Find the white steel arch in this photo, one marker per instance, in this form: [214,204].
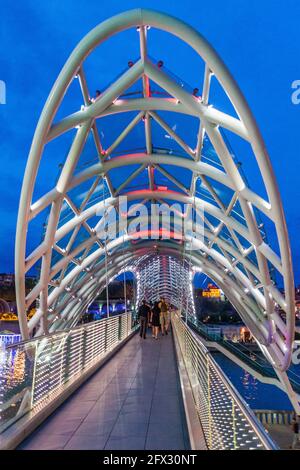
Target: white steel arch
[241,264]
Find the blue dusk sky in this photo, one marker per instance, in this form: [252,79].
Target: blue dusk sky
[257,39]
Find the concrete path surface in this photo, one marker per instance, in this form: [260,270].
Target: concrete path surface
[132,402]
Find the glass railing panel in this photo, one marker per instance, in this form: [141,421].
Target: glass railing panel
[16,379]
[225,418]
[33,373]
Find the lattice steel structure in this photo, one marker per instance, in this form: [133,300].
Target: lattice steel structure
[165,276]
[75,264]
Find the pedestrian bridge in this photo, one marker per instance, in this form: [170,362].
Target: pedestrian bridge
[101,386]
[149,183]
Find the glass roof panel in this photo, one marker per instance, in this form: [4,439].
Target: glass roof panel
[223,193]
[182,175]
[111,126]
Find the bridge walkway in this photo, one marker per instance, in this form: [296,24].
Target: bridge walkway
[133,402]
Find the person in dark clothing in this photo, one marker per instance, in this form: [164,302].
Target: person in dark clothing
[155,320]
[295,428]
[144,315]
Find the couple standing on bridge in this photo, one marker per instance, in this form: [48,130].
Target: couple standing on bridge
[156,315]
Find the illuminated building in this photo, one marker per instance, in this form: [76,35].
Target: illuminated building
[212,292]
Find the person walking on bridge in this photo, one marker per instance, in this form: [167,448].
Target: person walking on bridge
[164,316]
[295,429]
[155,320]
[144,316]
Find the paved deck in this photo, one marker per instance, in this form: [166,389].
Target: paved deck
[133,402]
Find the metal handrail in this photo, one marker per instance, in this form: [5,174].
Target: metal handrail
[36,372]
[226,419]
[59,333]
[261,365]
[248,413]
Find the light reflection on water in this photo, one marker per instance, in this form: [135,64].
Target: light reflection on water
[16,373]
[258,395]
[250,386]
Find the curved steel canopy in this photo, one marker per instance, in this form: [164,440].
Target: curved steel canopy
[234,251]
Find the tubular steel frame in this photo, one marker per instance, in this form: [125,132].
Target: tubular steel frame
[251,289]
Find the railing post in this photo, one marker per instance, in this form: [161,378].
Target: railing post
[105,335]
[128,323]
[209,405]
[50,369]
[233,425]
[83,347]
[120,328]
[67,363]
[34,373]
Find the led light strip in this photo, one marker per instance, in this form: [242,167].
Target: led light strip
[226,420]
